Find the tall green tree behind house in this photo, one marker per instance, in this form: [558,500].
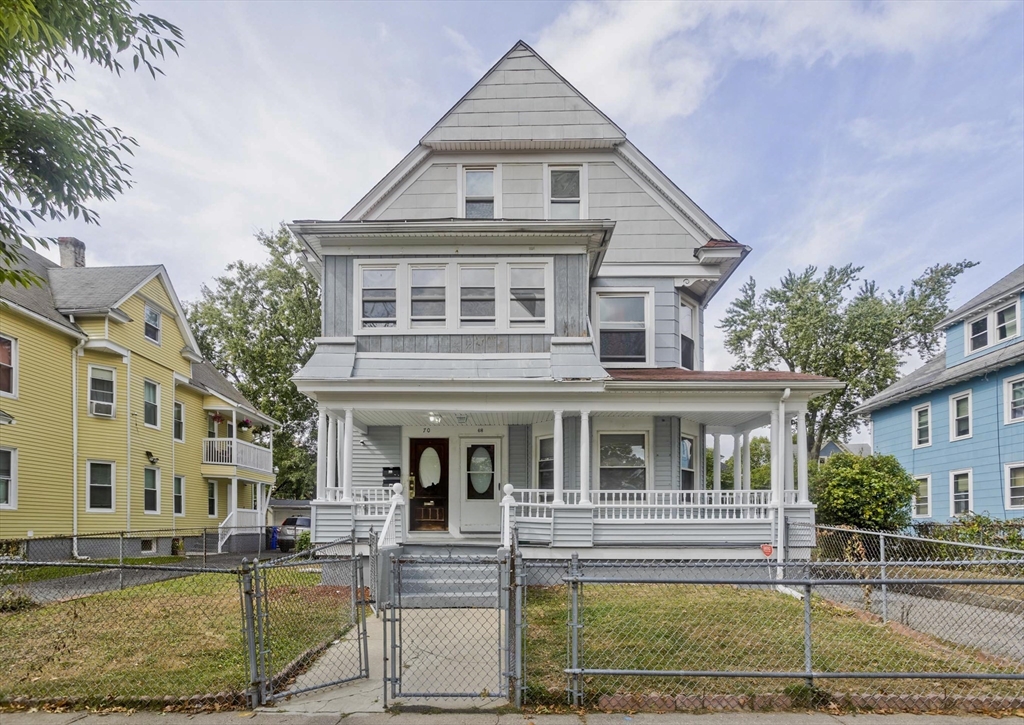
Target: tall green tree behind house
[54,160]
[814,323]
[257,325]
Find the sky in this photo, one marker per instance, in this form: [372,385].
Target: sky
[890,135]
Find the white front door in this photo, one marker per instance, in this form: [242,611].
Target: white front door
[481,468]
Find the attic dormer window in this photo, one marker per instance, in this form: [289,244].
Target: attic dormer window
[479,193]
[993,327]
[152,323]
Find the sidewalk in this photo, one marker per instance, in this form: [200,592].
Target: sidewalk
[272,718]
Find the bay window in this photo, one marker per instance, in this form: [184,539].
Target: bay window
[624,328]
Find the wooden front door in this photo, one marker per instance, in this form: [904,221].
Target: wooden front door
[428,492]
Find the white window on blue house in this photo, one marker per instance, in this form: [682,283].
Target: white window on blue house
[993,327]
[922,425]
[1006,323]
[1013,400]
[1015,486]
[978,332]
[960,416]
[921,504]
[961,494]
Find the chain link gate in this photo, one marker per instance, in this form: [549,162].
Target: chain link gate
[450,628]
[305,625]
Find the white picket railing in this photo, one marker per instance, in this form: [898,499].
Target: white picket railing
[640,505]
[389,537]
[235,452]
[239,521]
[371,502]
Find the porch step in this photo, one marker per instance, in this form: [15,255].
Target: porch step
[458,584]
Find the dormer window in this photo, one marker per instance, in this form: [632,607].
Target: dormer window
[152,323]
[565,193]
[993,327]
[1006,323]
[479,193]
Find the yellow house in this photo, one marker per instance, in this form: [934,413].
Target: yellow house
[111,421]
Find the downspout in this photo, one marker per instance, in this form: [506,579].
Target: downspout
[128,462]
[74,445]
[780,519]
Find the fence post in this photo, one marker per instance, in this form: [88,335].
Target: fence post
[808,666]
[520,582]
[248,608]
[575,682]
[204,546]
[365,669]
[881,557]
[120,560]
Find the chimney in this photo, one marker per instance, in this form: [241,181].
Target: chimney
[72,252]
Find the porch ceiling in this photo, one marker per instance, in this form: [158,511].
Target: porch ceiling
[738,420]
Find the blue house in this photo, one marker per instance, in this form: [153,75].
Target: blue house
[957,422]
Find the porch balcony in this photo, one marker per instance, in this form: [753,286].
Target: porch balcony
[237,452]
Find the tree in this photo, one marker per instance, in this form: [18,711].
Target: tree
[257,326]
[53,159]
[866,492]
[811,324]
[709,469]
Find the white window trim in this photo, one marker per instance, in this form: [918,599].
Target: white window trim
[584,169]
[502,296]
[113,486]
[12,489]
[1006,487]
[88,392]
[913,426]
[991,315]
[182,495]
[913,499]
[970,491]
[14,367]
[173,421]
[157,471]
[952,415]
[160,328]
[461,187]
[159,412]
[612,426]
[540,431]
[1007,390]
[216,499]
[693,455]
[595,315]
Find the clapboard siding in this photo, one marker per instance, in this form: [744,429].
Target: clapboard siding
[372,450]
[572,526]
[644,230]
[666,453]
[519,444]
[331,523]
[337,296]
[461,344]
[522,188]
[689,533]
[666,314]
[432,196]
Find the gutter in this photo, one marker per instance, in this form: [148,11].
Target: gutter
[75,352]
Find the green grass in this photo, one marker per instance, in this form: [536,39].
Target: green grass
[672,627]
[24,574]
[177,638]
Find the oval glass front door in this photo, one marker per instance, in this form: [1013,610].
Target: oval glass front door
[481,468]
[430,468]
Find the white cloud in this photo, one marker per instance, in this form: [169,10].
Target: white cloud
[917,139]
[647,62]
[468,57]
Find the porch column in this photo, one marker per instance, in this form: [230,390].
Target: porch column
[332,452]
[346,470]
[233,497]
[321,456]
[584,456]
[559,461]
[737,466]
[801,457]
[787,429]
[746,461]
[776,434]
[716,462]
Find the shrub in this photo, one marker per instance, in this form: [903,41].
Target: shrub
[872,492]
[304,542]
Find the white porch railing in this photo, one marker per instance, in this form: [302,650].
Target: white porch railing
[389,536]
[371,502]
[239,521]
[235,452]
[655,505]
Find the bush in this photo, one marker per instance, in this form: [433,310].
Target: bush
[304,542]
[871,492]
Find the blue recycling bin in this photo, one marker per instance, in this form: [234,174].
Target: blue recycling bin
[273,537]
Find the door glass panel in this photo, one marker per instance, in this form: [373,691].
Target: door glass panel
[480,470]
[430,468]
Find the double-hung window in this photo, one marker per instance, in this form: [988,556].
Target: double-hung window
[151,403]
[428,296]
[1013,400]
[211,499]
[100,485]
[179,421]
[623,328]
[151,490]
[527,290]
[978,334]
[8,478]
[1015,486]
[960,494]
[922,416]
[687,477]
[8,366]
[622,461]
[565,193]
[380,298]
[546,463]
[179,495]
[960,416]
[101,392]
[152,323]
[1006,323]
[921,504]
[991,328]
[477,300]
[479,193]
[686,343]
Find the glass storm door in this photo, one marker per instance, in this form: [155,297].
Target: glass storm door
[428,490]
[480,464]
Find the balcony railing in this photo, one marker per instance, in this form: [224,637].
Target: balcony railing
[234,452]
